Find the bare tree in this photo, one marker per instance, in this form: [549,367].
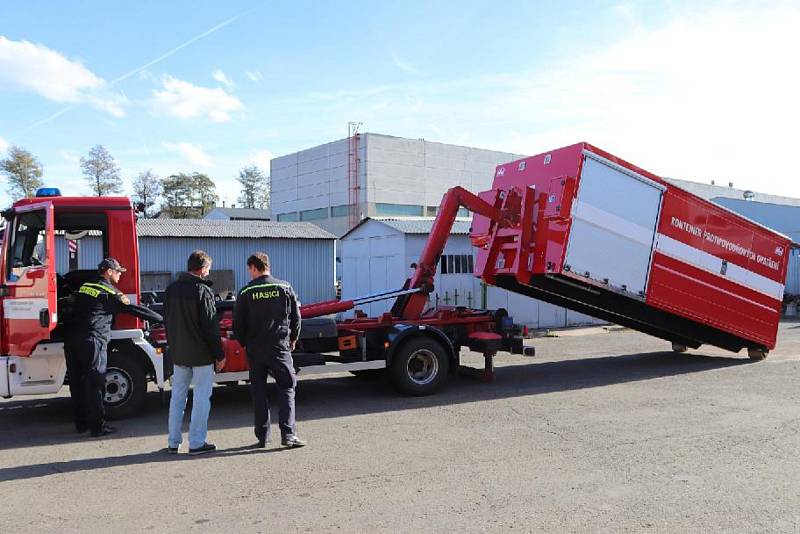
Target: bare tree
[101,171]
[147,189]
[255,188]
[24,173]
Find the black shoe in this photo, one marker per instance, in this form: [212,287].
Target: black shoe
[105,430]
[292,442]
[262,443]
[172,450]
[204,448]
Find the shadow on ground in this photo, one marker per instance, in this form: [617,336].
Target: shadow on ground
[35,423]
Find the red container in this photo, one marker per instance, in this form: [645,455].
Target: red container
[601,236]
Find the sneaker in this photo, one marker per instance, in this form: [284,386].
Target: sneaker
[172,450]
[204,448]
[262,443]
[292,442]
[105,430]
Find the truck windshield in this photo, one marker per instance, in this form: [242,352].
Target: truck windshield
[28,246]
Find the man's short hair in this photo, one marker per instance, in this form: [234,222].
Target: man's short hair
[198,259]
[260,261]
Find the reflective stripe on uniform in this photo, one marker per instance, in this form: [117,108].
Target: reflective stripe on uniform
[248,288]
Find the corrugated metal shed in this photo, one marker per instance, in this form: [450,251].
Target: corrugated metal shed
[300,253]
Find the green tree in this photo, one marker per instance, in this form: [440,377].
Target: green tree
[255,188]
[101,171]
[188,196]
[147,189]
[24,173]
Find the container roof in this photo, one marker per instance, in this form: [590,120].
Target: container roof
[228,229]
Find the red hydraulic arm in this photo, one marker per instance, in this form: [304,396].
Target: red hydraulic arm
[421,283]
[422,278]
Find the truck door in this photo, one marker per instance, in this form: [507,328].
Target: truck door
[29,279]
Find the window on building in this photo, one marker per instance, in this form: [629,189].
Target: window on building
[288,217]
[463,212]
[403,210]
[340,211]
[456,264]
[313,215]
[431,211]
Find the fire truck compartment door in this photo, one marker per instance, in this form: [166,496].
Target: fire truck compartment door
[614,225]
[29,311]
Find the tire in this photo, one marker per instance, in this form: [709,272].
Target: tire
[369,375]
[126,385]
[419,366]
[680,349]
[757,354]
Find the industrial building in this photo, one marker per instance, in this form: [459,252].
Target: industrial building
[337,184]
[376,256]
[301,253]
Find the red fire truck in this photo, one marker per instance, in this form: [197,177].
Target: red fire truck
[575,226]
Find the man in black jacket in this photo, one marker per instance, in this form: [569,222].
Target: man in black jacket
[267,323]
[190,318]
[86,343]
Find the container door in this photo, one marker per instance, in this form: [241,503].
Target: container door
[614,225]
[29,276]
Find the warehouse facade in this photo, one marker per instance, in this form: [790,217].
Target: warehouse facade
[395,177]
[301,253]
[376,256]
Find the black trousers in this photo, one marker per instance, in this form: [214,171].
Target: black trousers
[281,367]
[86,365]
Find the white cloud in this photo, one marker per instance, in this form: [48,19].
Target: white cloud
[703,96]
[33,67]
[255,75]
[191,152]
[222,78]
[3,145]
[185,100]
[261,159]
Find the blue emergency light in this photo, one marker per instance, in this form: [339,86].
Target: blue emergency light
[48,192]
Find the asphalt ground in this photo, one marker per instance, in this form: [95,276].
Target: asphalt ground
[600,432]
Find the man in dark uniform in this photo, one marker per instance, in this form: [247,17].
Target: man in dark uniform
[267,323]
[86,343]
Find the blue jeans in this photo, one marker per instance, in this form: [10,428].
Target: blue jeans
[202,378]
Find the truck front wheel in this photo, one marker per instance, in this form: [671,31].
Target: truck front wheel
[126,385]
[419,366]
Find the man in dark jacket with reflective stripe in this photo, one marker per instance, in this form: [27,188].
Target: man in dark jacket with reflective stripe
[190,317]
[267,323]
[86,343]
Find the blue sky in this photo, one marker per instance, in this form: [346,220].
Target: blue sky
[686,91]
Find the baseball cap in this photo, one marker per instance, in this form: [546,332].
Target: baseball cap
[111,263]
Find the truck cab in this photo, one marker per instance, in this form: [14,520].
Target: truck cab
[39,271]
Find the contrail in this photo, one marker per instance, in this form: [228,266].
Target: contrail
[181,46]
[137,70]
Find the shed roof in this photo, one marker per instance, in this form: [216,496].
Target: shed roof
[416,225]
[236,229]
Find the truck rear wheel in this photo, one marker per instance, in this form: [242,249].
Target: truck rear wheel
[419,366]
[126,385]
